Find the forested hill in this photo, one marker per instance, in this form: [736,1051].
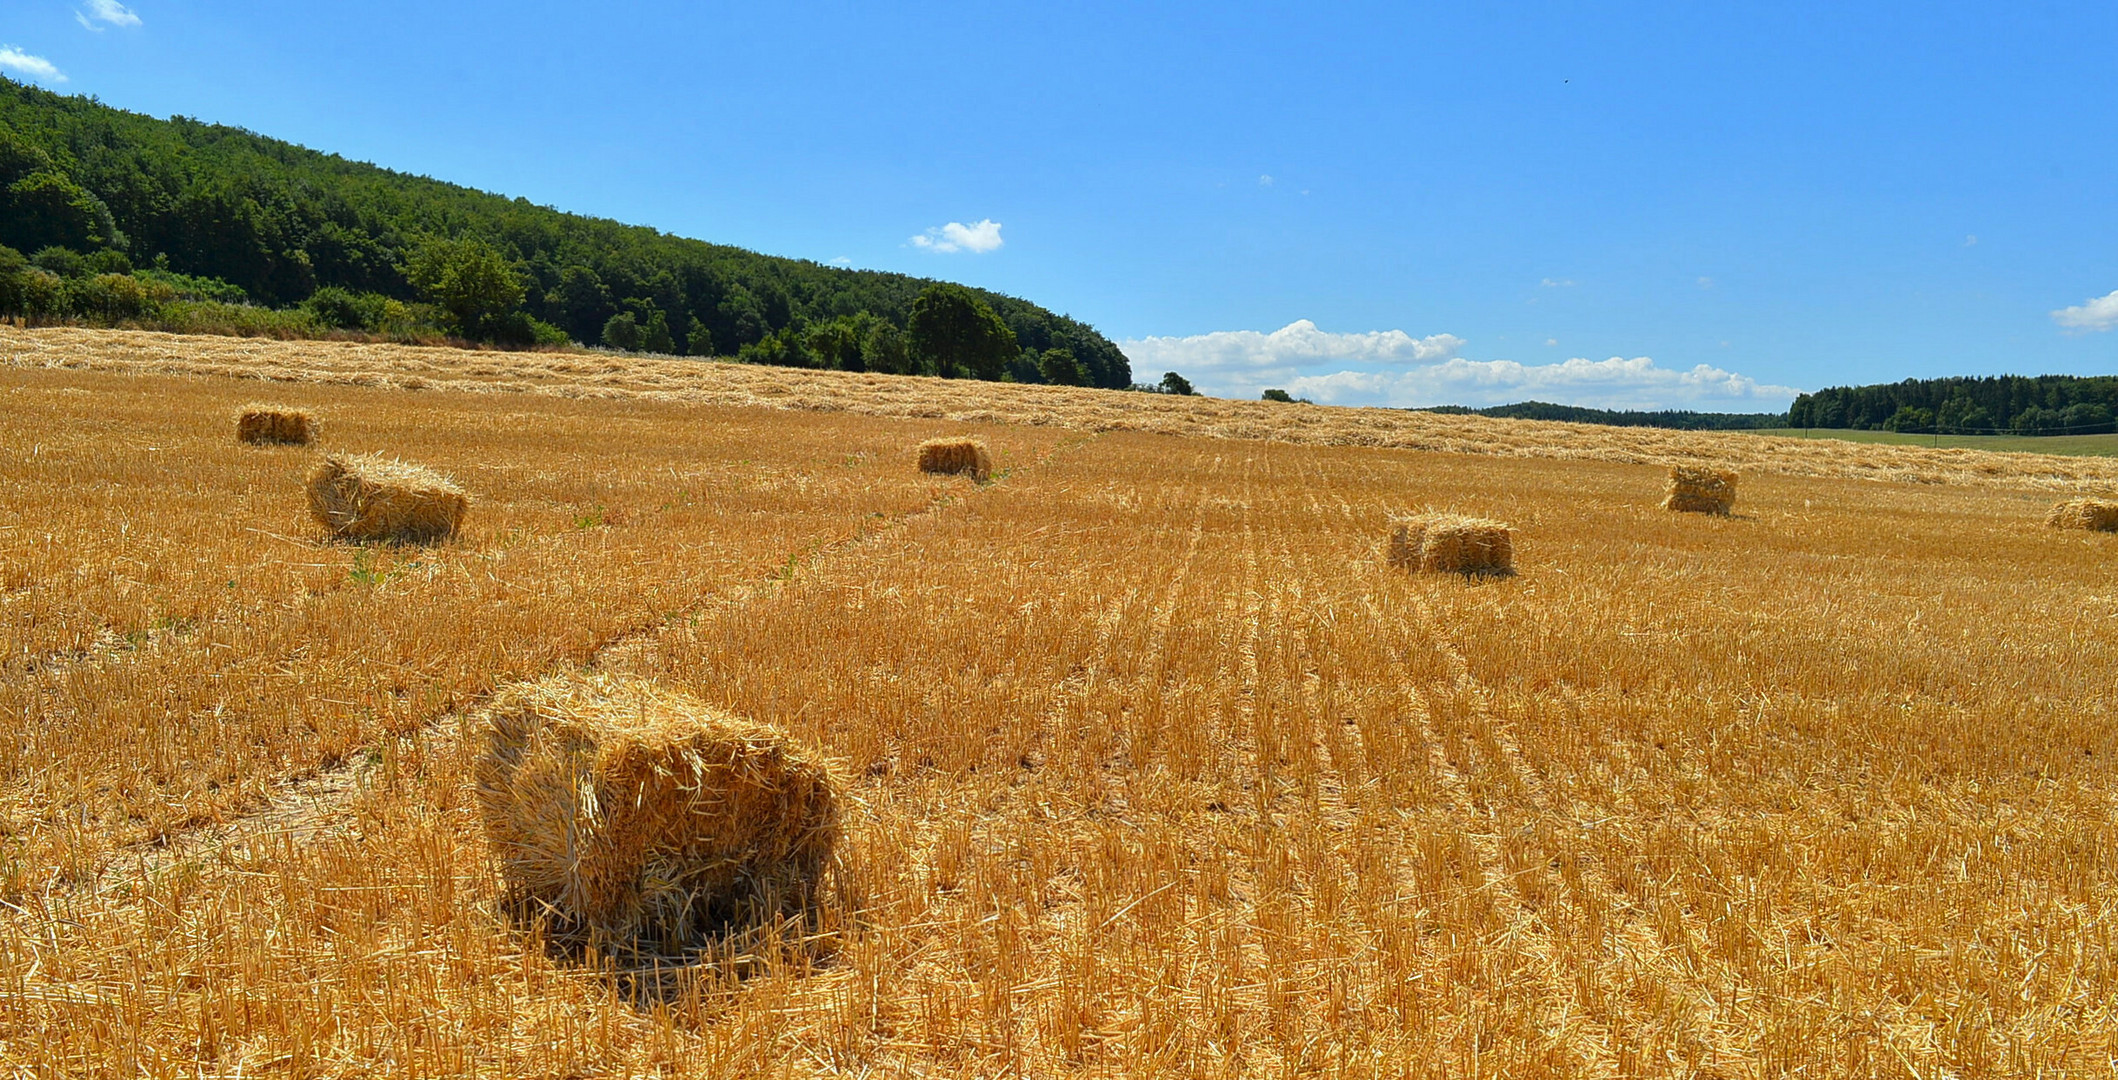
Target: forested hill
[2003,404]
[1662,418]
[199,220]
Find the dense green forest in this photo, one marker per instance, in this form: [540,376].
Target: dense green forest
[1664,418]
[1991,405]
[116,218]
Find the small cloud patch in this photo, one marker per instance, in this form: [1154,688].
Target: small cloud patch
[947,239]
[108,12]
[35,67]
[2090,316]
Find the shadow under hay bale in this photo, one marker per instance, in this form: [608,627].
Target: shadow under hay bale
[1452,543]
[637,820]
[276,425]
[1695,489]
[371,497]
[2095,515]
[960,456]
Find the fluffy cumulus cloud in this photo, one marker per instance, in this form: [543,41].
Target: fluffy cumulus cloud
[1391,367]
[2098,314]
[34,67]
[977,238]
[1616,383]
[108,12]
[1283,352]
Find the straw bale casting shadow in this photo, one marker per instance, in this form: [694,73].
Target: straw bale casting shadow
[1453,544]
[636,824]
[370,497]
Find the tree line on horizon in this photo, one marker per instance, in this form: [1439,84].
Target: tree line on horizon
[1680,419]
[116,218]
[1968,405]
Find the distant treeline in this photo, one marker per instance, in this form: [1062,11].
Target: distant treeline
[2002,404]
[1662,418]
[117,218]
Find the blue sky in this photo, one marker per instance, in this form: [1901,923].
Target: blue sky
[1652,205]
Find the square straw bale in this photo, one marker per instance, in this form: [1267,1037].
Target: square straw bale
[371,497]
[1697,489]
[2095,515]
[276,424]
[1452,543]
[631,816]
[962,456]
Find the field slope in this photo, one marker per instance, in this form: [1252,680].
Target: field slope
[1157,768]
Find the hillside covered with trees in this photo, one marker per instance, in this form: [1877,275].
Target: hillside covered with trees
[117,218]
[2001,404]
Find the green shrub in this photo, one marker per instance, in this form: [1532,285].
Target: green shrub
[65,262]
[187,287]
[236,320]
[343,309]
[116,297]
[622,332]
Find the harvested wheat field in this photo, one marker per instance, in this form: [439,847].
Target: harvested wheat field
[1153,765]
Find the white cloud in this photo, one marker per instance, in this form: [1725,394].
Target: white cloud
[1265,180]
[105,11]
[22,63]
[1391,367]
[2098,314]
[1616,383]
[977,239]
[1557,283]
[1706,283]
[1971,241]
[1551,341]
[841,261]
[1280,353]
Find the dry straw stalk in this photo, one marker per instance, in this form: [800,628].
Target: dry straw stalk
[1699,490]
[964,456]
[635,817]
[267,424]
[2096,515]
[371,497]
[1452,543]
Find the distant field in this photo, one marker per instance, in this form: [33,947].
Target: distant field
[695,382]
[2084,445]
[1156,769]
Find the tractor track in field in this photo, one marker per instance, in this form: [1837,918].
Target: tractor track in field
[307,806]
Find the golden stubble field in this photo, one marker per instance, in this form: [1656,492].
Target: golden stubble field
[1156,769]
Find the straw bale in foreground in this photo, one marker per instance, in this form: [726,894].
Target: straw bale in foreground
[968,456]
[261,423]
[1699,490]
[2096,515]
[1452,543]
[371,497]
[636,817]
